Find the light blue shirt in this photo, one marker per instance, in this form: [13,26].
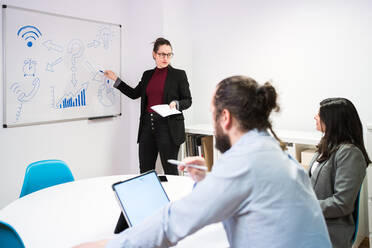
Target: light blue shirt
[263,197]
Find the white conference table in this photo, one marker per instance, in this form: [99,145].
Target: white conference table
[86,210]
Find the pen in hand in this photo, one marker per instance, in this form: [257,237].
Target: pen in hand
[176,162]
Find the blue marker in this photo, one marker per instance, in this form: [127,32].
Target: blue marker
[101,71]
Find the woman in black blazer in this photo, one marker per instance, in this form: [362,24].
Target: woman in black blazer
[161,85]
[338,168]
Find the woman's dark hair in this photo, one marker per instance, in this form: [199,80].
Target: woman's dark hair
[248,102]
[342,126]
[159,42]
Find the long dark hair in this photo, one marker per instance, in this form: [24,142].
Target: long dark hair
[342,126]
[248,102]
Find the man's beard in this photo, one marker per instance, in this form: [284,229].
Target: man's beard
[222,140]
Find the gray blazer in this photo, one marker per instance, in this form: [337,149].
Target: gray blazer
[336,183]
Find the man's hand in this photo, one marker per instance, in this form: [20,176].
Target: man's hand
[196,174]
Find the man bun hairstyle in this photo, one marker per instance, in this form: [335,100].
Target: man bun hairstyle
[266,97]
[248,102]
[159,42]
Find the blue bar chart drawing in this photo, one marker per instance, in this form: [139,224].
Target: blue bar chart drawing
[71,100]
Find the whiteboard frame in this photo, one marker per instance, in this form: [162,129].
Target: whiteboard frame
[5,125]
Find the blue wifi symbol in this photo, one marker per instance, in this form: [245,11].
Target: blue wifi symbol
[29,33]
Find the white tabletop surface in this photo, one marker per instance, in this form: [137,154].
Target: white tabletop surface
[86,210]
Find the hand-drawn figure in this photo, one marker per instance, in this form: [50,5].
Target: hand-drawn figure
[94,43]
[29,68]
[76,49]
[72,99]
[29,33]
[105,35]
[50,45]
[104,38]
[106,94]
[95,73]
[50,65]
[28,88]
[20,93]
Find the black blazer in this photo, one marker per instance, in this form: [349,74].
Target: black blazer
[176,88]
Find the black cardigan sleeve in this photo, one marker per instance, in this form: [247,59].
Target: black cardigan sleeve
[130,92]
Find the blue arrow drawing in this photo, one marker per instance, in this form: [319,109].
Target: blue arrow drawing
[94,43]
[52,46]
[96,75]
[50,65]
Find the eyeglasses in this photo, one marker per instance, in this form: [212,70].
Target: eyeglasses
[163,55]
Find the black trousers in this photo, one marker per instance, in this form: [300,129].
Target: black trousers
[155,138]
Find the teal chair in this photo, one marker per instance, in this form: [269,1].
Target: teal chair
[356,216]
[45,173]
[9,237]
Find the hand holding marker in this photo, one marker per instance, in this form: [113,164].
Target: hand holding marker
[176,162]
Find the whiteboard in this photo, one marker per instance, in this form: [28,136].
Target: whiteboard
[53,67]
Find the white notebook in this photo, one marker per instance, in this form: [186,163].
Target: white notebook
[164,110]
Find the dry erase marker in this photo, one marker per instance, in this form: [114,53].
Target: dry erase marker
[176,162]
[101,71]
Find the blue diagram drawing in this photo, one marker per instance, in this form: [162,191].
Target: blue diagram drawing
[51,46]
[24,95]
[76,49]
[94,43]
[72,99]
[95,73]
[29,68]
[106,94]
[27,89]
[29,33]
[50,65]
[104,37]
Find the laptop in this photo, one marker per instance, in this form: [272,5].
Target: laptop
[139,197]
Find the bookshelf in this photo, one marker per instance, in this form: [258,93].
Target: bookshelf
[201,130]
[297,141]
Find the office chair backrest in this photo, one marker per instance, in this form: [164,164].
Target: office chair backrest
[9,237]
[356,216]
[45,173]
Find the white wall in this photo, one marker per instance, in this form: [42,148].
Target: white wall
[177,28]
[90,148]
[310,49]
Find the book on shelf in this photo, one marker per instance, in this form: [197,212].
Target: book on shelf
[200,145]
[207,148]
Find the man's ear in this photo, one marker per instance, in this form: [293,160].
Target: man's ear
[153,54]
[226,119]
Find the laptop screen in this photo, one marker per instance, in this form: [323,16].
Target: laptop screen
[140,197]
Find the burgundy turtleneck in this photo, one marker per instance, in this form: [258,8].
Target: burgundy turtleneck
[155,88]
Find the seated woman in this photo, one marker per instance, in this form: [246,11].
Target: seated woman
[339,166]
